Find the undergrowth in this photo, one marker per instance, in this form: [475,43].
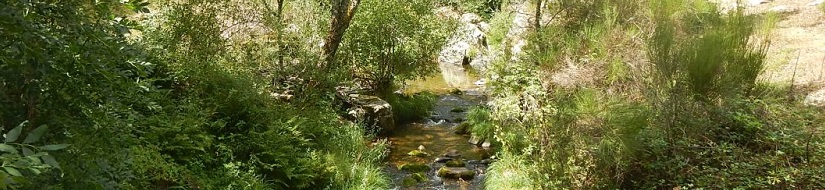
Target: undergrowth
[691,113]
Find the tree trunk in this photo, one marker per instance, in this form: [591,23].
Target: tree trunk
[342,13]
[537,23]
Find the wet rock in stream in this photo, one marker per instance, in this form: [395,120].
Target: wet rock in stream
[442,159]
[456,173]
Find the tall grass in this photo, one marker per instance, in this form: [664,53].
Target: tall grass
[480,122]
[702,119]
[512,172]
[408,108]
[715,55]
[353,165]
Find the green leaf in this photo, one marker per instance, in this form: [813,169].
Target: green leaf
[35,134]
[49,159]
[54,146]
[27,151]
[13,171]
[34,170]
[14,133]
[7,148]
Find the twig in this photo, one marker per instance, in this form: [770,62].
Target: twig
[793,77]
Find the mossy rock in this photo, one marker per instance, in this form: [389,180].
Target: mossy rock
[456,173]
[415,167]
[455,163]
[409,182]
[463,128]
[418,153]
[419,177]
[467,175]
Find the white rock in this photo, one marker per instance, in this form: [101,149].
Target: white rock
[816,98]
[470,18]
[816,2]
[484,26]
[782,9]
[481,82]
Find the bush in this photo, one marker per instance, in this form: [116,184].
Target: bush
[408,108]
[480,123]
[170,109]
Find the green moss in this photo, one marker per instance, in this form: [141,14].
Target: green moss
[420,177]
[409,182]
[415,167]
[445,172]
[455,163]
[467,175]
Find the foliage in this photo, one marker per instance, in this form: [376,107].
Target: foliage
[485,8]
[21,159]
[695,117]
[714,54]
[393,41]
[511,172]
[480,122]
[500,25]
[408,108]
[171,103]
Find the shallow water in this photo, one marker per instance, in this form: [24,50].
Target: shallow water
[436,136]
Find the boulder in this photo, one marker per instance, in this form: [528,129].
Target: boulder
[467,46]
[375,112]
[816,98]
[486,144]
[414,167]
[418,153]
[475,140]
[456,173]
[452,154]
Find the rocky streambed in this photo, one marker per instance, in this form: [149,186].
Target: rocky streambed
[436,153]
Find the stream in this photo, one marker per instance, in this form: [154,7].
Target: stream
[435,136]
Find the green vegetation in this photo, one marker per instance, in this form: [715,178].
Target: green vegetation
[408,108]
[478,118]
[690,114]
[485,8]
[220,94]
[454,163]
[393,41]
[167,95]
[822,7]
[415,167]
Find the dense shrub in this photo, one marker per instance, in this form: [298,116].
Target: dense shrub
[409,108]
[170,108]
